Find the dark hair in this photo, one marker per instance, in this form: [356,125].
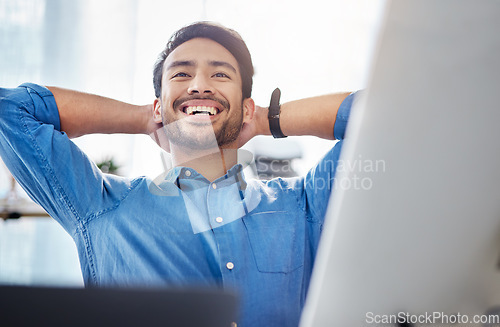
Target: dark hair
[226,37]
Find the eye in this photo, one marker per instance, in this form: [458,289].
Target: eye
[180,74]
[221,75]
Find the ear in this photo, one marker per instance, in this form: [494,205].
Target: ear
[157,111]
[248,110]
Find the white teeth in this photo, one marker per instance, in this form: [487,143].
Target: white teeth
[201,110]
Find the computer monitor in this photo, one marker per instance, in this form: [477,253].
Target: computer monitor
[22,306]
[413,226]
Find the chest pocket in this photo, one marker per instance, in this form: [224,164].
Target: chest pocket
[277,240]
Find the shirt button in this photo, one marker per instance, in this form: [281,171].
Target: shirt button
[188,173]
[219,219]
[230,265]
[214,186]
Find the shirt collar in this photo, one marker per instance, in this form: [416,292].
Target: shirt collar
[184,178]
[170,182]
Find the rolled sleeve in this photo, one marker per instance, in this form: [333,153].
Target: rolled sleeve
[343,116]
[44,105]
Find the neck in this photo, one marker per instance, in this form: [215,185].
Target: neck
[211,163]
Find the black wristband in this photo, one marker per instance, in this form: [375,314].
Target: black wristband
[274,115]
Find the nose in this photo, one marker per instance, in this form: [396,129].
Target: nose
[200,84]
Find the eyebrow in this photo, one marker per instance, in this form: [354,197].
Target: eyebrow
[225,64]
[192,63]
[181,63]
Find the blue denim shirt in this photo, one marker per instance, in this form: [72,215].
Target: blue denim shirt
[256,237]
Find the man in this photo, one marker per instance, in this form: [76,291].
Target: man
[202,223]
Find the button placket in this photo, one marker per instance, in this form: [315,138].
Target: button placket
[213,209]
[222,198]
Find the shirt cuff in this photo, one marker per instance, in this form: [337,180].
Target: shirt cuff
[44,105]
[343,116]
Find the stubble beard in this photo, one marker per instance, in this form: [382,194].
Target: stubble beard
[187,135]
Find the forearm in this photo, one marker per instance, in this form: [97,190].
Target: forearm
[83,113]
[311,116]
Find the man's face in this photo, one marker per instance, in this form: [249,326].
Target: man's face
[201,98]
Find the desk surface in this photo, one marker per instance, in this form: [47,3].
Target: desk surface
[13,208]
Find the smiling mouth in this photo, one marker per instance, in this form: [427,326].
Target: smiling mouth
[200,110]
